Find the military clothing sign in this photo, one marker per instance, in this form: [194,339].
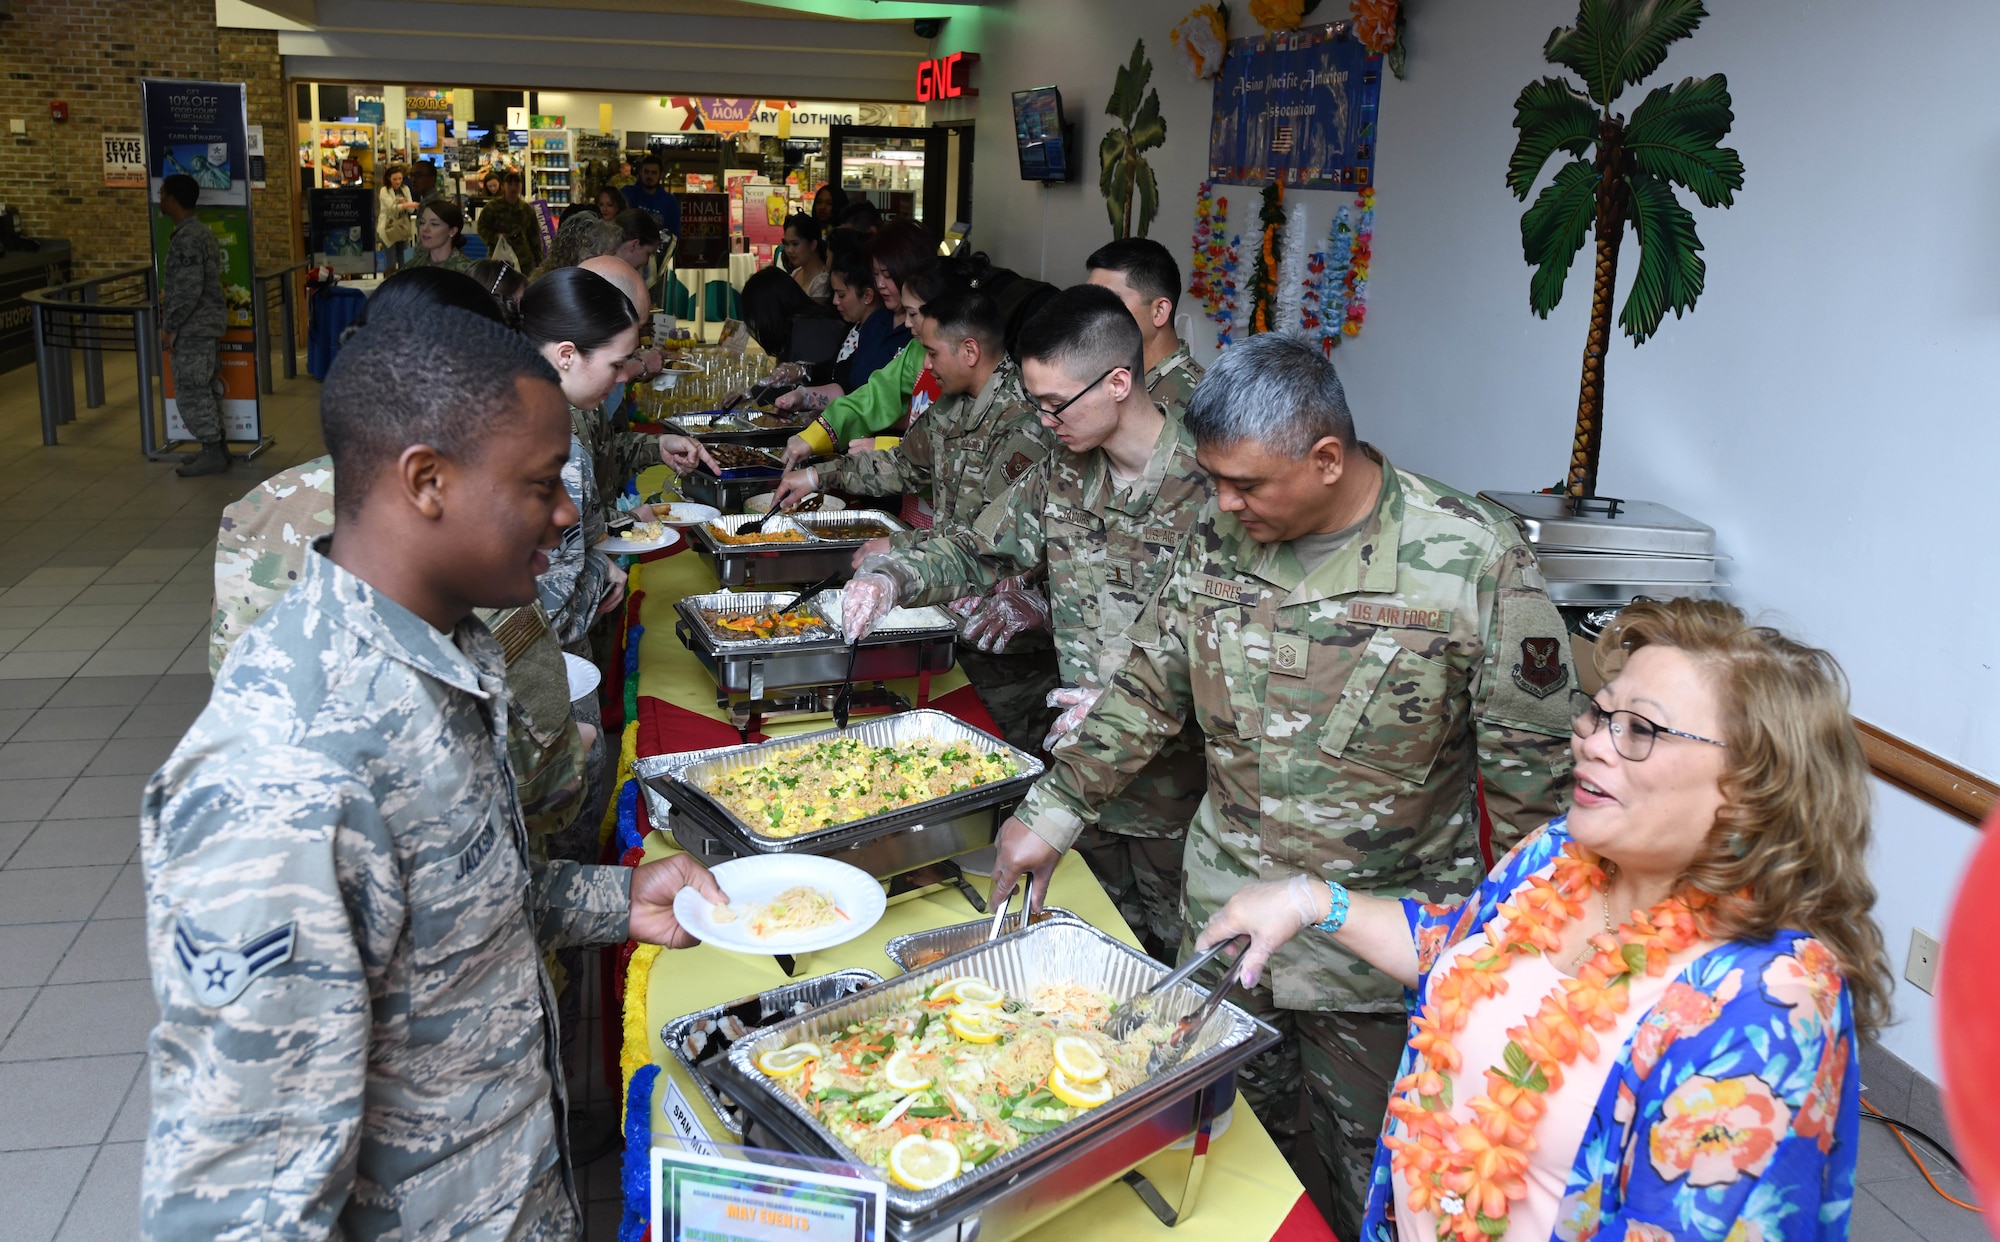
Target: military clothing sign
[1357,760]
[345,930]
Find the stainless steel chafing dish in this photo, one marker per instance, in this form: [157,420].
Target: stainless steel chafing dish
[908,642]
[729,490]
[883,845]
[1051,1172]
[737,427]
[699,1040]
[789,562]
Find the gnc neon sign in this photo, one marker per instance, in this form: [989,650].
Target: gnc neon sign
[945,78]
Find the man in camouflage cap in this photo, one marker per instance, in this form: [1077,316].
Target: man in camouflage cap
[973,443]
[193,315]
[1362,646]
[357,1035]
[1104,515]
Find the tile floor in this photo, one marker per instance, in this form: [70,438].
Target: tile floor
[104,597]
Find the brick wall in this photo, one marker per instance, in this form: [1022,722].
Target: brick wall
[92,54]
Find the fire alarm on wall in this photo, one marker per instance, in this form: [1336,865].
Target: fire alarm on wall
[58,110]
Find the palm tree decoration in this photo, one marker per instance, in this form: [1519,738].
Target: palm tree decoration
[1671,140]
[1121,155]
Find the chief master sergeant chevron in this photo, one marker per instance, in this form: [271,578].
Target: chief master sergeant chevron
[343,920]
[1361,646]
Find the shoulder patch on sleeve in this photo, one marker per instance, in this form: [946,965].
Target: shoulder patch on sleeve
[219,976]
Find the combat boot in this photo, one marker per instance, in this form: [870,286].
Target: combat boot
[213,459]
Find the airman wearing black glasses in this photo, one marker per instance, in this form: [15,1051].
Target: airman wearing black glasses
[1105,516]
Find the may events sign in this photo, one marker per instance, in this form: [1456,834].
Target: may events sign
[1297,108]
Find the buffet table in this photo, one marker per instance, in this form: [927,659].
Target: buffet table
[1248,1191]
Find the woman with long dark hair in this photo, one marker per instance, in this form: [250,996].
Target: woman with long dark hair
[771,302]
[897,252]
[805,254]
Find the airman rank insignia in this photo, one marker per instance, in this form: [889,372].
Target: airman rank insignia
[219,976]
[1288,654]
[1541,671]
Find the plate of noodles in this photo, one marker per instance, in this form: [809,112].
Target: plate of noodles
[784,903]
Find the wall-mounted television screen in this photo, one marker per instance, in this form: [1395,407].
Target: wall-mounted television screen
[1039,135]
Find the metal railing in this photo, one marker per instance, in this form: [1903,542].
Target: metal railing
[115,312]
[284,282]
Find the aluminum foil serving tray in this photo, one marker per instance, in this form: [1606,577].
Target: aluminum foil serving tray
[734,427]
[698,811]
[688,1040]
[911,641]
[1050,1172]
[919,949]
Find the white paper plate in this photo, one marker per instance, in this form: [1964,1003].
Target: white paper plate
[583,676]
[614,546]
[687,513]
[752,880]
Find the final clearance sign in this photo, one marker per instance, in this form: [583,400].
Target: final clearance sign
[945,78]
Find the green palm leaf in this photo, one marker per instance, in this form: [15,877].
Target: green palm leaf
[1671,270]
[1129,85]
[1148,128]
[1149,198]
[1552,231]
[1114,178]
[1674,132]
[1552,116]
[1618,43]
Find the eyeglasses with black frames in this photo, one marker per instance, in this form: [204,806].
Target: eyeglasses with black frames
[1632,735]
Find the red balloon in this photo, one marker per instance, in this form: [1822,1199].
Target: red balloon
[1969,1017]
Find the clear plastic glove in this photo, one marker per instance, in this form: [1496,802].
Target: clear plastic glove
[797,452]
[1272,914]
[1020,853]
[796,486]
[874,547]
[966,605]
[865,600]
[684,454]
[1005,614]
[1078,701]
[785,373]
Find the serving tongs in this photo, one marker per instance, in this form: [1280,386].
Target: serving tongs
[1140,1010]
[810,503]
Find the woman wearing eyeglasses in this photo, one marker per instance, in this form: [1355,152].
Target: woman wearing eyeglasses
[1644,1023]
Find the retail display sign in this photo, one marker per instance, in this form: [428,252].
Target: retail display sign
[714,113]
[256,148]
[341,225]
[202,129]
[431,103]
[1298,108]
[706,1196]
[704,240]
[125,161]
[537,120]
[946,77]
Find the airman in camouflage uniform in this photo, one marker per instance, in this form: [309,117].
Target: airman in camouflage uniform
[968,448]
[345,930]
[1171,383]
[578,575]
[194,314]
[1351,709]
[260,552]
[1106,547]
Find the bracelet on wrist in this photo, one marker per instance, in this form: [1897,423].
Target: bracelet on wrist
[1336,918]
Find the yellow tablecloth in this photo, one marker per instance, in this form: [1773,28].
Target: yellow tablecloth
[1248,1191]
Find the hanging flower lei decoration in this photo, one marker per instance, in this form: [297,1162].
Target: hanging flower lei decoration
[1264,272]
[1467,1173]
[1324,307]
[1213,270]
[1356,290]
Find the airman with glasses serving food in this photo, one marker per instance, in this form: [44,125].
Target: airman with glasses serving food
[1644,1023]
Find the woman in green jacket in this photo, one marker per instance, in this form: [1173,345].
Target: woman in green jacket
[900,250]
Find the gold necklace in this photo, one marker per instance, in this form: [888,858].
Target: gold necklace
[1610,874]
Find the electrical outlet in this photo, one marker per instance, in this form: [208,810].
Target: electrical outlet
[1921,969]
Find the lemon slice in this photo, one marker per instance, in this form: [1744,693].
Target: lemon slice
[780,1062]
[974,1023]
[903,1073]
[1077,1060]
[918,1163]
[1078,1094]
[970,990]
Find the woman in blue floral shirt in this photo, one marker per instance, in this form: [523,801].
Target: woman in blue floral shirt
[1687,1071]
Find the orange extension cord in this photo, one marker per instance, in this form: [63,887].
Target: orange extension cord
[1918,1160]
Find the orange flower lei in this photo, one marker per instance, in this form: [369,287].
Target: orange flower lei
[1467,1173]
